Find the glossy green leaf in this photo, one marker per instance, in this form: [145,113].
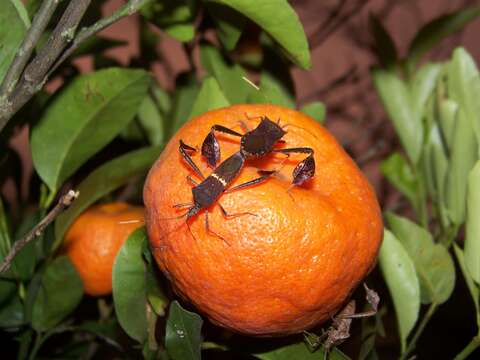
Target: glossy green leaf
[129,291]
[184,98]
[183,334]
[472,287]
[155,295]
[436,30]
[433,263]
[152,120]
[7,289]
[104,180]
[209,97]
[14,24]
[397,170]
[385,48]
[271,91]
[447,113]
[463,86]
[230,24]
[316,110]
[422,86]
[84,118]
[173,17]
[59,291]
[300,351]
[280,21]
[472,226]
[228,76]
[402,281]
[462,158]
[395,96]
[12,312]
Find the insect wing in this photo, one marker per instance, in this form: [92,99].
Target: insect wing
[211,149]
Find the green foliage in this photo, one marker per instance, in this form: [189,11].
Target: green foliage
[399,272]
[183,333]
[15,22]
[99,133]
[128,280]
[83,118]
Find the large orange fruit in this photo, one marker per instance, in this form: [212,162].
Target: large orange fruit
[293,263]
[94,239]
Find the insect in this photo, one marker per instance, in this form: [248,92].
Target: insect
[339,331]
[256,143]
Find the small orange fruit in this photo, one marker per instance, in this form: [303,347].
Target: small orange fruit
[293,263]
[94,239]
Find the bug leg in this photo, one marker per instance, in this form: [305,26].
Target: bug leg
[211,147]
[231,216]
[373,299]
[265,175]
[183,148]
[182,205]
[190,180]
[207,227]
[305,170]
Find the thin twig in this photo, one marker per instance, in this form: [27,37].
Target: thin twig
[39,23]
[32,79]
[64,202]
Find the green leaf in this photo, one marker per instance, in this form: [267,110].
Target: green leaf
[12,312]
[384,46]
[280,21]
[422,86]
[128,280]
[399,273]
[436,30]
[58,294]
[155,295]
[84,118]
[271,91]
[14,24]
[299,351]
[184,98]
[230,24]
[104,180]
[183,334]
[173,17]
[463,87]
[433,263]
[209,97]
[395,95]
[152,120]
[316,110]
[397,170]
[472,287]
[447,113]
[229,77]
[462,158]
[472,226]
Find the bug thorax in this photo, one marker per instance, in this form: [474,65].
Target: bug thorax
[260,141]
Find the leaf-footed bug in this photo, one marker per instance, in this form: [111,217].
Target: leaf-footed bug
[339,331]
[256,143]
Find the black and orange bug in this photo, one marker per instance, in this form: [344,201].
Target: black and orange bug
[256,143]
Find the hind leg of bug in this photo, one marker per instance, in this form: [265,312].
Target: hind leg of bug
[183,148]
[211,147]
[265,175]
[209,230]
[305,170]
[231,216]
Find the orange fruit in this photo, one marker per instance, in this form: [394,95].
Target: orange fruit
[94,239]
[292,264]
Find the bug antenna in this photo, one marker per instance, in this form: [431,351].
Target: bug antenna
[301,128]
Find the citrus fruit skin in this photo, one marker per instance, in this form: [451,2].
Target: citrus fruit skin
[293,263]
[94,239]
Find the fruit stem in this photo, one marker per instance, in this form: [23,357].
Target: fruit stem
[471,347]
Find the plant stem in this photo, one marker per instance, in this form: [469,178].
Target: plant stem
[36,346]
[64,202]
[471,347]
[426,318]
[39,23]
